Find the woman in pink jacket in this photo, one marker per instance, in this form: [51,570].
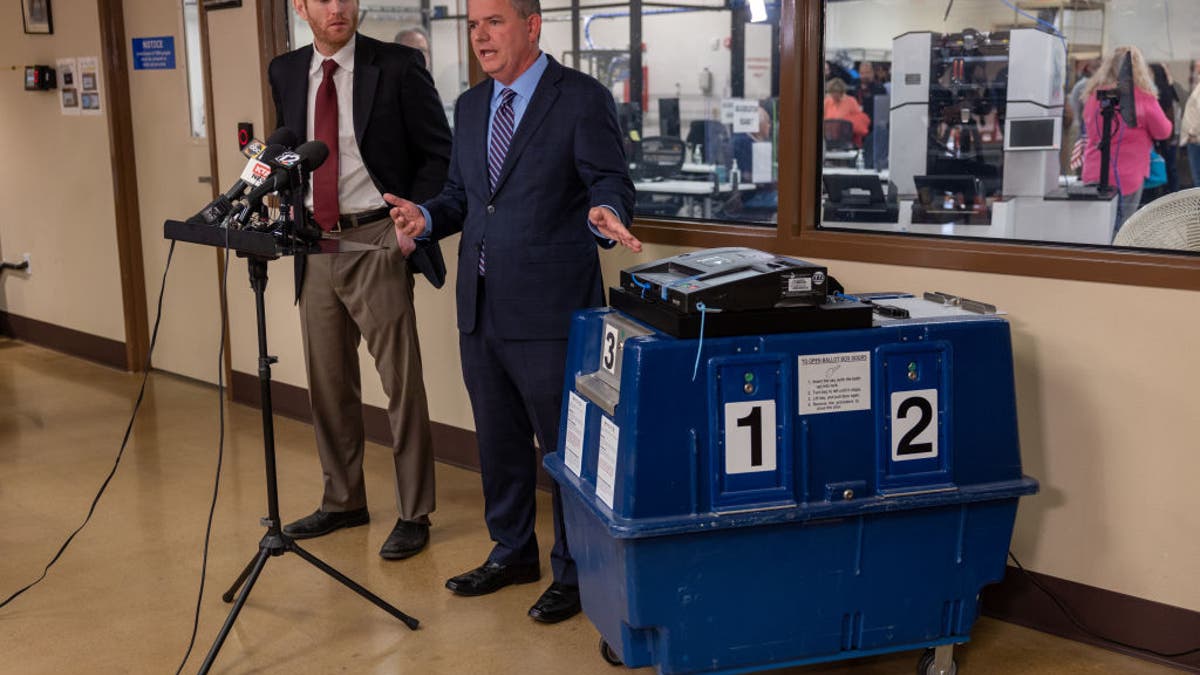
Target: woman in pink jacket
[1129,154]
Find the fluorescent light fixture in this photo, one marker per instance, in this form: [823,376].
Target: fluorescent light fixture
[758,10]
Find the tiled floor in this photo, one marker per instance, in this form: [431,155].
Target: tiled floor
[121,599]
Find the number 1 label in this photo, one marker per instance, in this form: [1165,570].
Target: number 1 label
[914,425]
[750,436]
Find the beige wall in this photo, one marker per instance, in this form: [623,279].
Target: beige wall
[56,184]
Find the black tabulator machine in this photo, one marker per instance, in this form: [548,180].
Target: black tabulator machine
[734,291]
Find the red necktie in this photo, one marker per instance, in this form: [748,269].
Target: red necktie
[325,129]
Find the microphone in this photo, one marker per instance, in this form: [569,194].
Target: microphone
[257,170]
[306,158]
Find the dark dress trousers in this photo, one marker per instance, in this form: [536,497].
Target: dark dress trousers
[541,265]
[404,141]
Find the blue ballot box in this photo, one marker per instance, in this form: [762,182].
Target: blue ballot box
[803,497]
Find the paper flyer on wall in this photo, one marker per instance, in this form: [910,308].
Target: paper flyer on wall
[90,94]
[68,86]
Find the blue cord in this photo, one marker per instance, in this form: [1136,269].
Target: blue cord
[640,284]
[700,347]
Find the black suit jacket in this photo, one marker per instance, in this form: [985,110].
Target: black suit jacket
[398,118]
[565,157]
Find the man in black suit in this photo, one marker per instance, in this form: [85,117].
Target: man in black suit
[375,106]
[537,176]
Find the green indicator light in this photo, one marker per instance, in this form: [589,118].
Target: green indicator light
[749,377]
[912,366]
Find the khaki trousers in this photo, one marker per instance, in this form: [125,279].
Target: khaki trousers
[347,297]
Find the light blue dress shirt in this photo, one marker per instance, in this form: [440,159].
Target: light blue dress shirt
[524,86]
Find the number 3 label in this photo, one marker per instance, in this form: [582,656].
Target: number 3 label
[750,436]
[914,425]
[608,348]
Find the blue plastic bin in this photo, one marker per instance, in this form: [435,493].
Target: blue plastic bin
[861,521]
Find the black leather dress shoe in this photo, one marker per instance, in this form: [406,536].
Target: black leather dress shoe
[407,539]
[324,522]
[491,577]
[559,603]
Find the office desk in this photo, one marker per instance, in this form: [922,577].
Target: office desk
[695,193]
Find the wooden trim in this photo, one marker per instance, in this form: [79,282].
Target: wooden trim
[452,445]
[801,89]
[124,179]
[66,340]
[274,37]
[1120,617]
[214,172]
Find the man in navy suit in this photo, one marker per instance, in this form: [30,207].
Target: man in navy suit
[375,106]
[537,178]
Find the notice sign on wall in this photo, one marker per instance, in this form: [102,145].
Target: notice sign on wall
[154,53]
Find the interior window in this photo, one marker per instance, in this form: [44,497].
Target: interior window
[697,99]
[1060,122]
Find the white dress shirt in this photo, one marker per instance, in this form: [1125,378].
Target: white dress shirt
[356,191]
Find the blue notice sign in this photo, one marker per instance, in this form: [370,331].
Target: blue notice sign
[154,53]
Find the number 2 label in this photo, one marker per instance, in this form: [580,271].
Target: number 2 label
[914,425]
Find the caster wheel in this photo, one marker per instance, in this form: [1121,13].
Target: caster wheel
[607,653]
[926,667]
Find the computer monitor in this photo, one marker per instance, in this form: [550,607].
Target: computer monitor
[668,117]
[950,199]
[858,198]
[854,189]
[1040,133]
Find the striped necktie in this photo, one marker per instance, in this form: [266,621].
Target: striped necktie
[503,126]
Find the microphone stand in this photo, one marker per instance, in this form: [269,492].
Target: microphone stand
[259,248]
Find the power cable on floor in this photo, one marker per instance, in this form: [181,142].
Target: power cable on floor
[124,442]
[1078,624]
[220,451]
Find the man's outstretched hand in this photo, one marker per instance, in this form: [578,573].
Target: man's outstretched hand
[609,225]
[406,218]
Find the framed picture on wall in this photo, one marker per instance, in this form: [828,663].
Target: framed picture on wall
[36,15]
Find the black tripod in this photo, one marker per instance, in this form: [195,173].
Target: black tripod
[1109,100]
[275,542]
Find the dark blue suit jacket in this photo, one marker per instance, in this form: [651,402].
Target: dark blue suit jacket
[565,158]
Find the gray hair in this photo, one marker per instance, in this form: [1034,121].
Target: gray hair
[527,8]
[411,30]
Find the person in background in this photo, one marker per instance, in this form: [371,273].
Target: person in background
[1077,133]
[418,39]
[1129,154]
[869,86]
[1168,147]
[839,106]
[1189,133]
